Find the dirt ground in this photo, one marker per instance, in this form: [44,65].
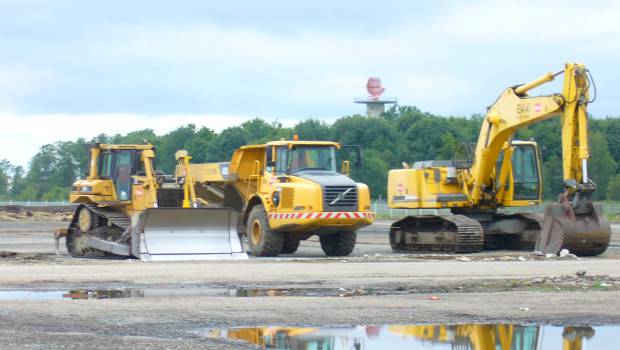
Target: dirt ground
[371,287]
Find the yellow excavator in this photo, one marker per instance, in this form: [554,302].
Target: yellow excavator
[127,208]
[503,172]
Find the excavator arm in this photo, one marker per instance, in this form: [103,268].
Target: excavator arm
[575,223]
[514,110]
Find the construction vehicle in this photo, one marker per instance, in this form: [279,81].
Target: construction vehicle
[126,208]
[503,172]
[287,191]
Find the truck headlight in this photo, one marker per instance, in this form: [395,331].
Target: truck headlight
[275,198]
[86,189]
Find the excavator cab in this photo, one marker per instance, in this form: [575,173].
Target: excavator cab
[519,184]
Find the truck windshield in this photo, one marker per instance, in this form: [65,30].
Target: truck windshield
[302,158]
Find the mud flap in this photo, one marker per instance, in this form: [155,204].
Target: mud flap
[166,234]
[581,234]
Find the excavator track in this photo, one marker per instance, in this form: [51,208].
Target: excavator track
[440,233]
[108,224]
[512,231]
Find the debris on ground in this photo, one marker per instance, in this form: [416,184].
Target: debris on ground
[24,213]
[14,256]
[463,259]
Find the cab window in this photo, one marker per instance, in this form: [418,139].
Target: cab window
[525,173]
[105,165]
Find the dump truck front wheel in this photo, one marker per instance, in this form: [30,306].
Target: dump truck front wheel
[338,244]
[262,241]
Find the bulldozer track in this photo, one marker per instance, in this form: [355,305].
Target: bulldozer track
[469,235]
[112,218]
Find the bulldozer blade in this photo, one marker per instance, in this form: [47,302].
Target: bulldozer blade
[165,234]
[581,234]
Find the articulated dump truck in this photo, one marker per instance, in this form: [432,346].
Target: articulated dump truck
[287,191]
[127,209]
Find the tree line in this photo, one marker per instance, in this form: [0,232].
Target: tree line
[402,134]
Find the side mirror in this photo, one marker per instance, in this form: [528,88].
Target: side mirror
[345,168]
[359,161]
[359,154]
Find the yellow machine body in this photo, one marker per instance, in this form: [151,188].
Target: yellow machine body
[296,201]
[503,172]
[442,184]
[126,208]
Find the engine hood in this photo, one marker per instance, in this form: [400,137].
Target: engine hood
[326,178]
[339,192]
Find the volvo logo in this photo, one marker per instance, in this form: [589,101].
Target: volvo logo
[341,195]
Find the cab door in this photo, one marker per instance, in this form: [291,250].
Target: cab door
[525,176]
[123,170]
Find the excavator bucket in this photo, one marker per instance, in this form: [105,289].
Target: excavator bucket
[165,234]
[581,234]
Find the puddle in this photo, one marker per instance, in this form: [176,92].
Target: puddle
[175,293]
[448,337]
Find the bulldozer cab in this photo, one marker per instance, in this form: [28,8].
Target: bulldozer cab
[119,166]
[519,180]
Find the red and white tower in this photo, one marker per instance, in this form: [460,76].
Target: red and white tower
[375,106]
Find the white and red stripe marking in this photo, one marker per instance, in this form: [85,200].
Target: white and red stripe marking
[323,215]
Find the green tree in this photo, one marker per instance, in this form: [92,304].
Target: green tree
[172,142]
[198,146]
[602,166]
[223,145]
[18,183]
[613,188]
[312,129]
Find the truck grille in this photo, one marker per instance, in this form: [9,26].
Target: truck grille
[348,200]
[287,198]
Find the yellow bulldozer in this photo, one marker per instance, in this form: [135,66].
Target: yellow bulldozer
[127,208]
[287,191]
[503,172]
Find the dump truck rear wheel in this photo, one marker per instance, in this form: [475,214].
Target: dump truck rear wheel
[262,241]
[290,244]
[338,244]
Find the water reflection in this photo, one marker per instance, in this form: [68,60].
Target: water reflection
[123,293]
[454,337]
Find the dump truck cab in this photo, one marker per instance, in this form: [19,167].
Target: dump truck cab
[289,190]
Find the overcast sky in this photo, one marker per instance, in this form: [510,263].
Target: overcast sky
[79,68]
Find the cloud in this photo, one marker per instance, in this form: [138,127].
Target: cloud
[139,70]
[22,135]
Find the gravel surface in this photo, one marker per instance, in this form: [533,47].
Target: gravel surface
[378,287]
